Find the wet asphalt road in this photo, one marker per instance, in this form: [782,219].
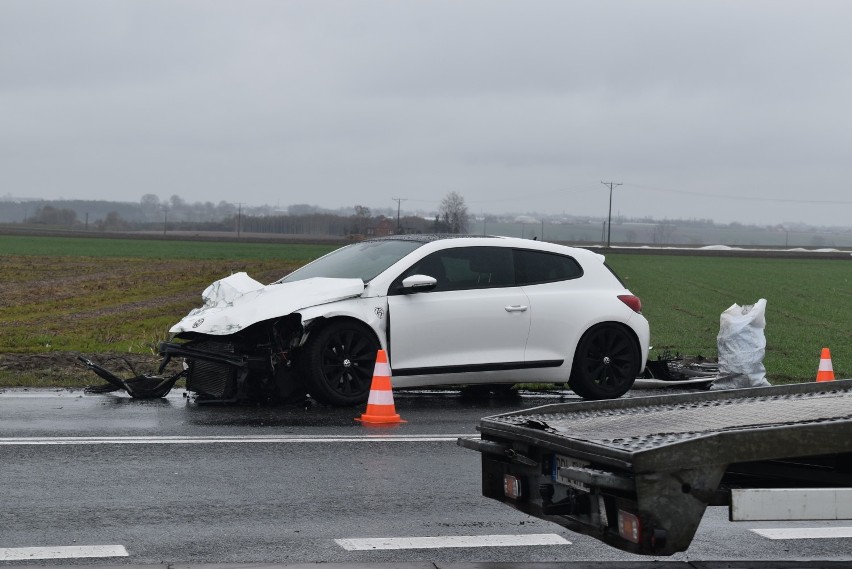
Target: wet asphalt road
[285,485]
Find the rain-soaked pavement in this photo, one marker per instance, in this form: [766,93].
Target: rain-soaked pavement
[71,412]
[67,412]
[174,482]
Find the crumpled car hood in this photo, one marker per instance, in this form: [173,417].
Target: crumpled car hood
[238,301]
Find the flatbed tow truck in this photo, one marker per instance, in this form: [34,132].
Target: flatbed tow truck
[639,473]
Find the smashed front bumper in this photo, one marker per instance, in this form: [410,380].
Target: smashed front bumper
[211,369]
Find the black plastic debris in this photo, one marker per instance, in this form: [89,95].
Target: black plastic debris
[668,367]
[144,386]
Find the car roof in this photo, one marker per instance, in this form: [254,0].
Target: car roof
[431,242]
[429,237]
[506,241]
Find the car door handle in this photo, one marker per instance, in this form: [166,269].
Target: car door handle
[516,308]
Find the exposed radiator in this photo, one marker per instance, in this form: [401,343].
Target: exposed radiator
[210,378]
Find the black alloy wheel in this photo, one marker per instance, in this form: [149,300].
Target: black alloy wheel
[606,363]
[340,361]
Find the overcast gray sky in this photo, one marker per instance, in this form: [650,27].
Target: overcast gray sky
[731,110]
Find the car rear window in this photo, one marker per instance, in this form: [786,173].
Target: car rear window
[537,267]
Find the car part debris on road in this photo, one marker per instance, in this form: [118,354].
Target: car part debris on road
[143,386]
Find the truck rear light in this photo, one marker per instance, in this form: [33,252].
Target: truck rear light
[512,486]
[632,301]
[629,526]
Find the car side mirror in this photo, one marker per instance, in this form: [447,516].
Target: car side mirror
[418,283]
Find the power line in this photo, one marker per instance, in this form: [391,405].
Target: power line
[522,196]
[740,197]
[527,196]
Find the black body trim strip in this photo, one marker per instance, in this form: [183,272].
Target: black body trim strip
[476,368]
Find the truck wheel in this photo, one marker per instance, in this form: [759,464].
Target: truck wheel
[606,363]
[339,363]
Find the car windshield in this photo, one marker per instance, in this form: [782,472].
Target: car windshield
[359,261]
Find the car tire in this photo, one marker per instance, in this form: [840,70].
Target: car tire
[606,363]
[339,363]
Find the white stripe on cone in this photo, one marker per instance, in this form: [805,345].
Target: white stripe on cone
[380,397]
[382,369]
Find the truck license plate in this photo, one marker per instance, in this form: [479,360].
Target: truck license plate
[511,486]
[561,468]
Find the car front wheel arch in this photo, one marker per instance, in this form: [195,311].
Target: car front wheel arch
[606,362]
[338,360]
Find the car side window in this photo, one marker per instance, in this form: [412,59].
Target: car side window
[537,267]
[431,265]
[464,268]
[478,267]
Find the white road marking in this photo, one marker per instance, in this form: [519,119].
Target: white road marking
[805,533]
[777,504]
[186,440]
[440,542]
[61,552]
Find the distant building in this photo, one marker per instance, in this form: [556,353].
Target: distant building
[384,227]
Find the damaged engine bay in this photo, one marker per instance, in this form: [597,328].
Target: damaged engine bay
[232,351]
[267,362]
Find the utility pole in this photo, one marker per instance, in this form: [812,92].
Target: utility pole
[609,215]
[239,218]
[398,203]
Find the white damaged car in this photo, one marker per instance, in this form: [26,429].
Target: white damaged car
[448,310]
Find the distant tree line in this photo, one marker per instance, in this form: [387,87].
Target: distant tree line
[176,214]
[49,215]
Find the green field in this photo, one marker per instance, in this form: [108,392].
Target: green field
[156,248]
[59,296]
[809,306]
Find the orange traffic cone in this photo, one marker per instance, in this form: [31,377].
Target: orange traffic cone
[825,371]
[380,407]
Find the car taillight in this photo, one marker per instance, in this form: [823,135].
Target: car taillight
[632,301]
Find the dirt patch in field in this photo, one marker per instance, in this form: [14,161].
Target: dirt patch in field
[112,311]
[69,361]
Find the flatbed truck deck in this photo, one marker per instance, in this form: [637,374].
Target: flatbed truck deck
[638,473]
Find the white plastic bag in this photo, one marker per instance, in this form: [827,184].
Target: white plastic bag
[742,346]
